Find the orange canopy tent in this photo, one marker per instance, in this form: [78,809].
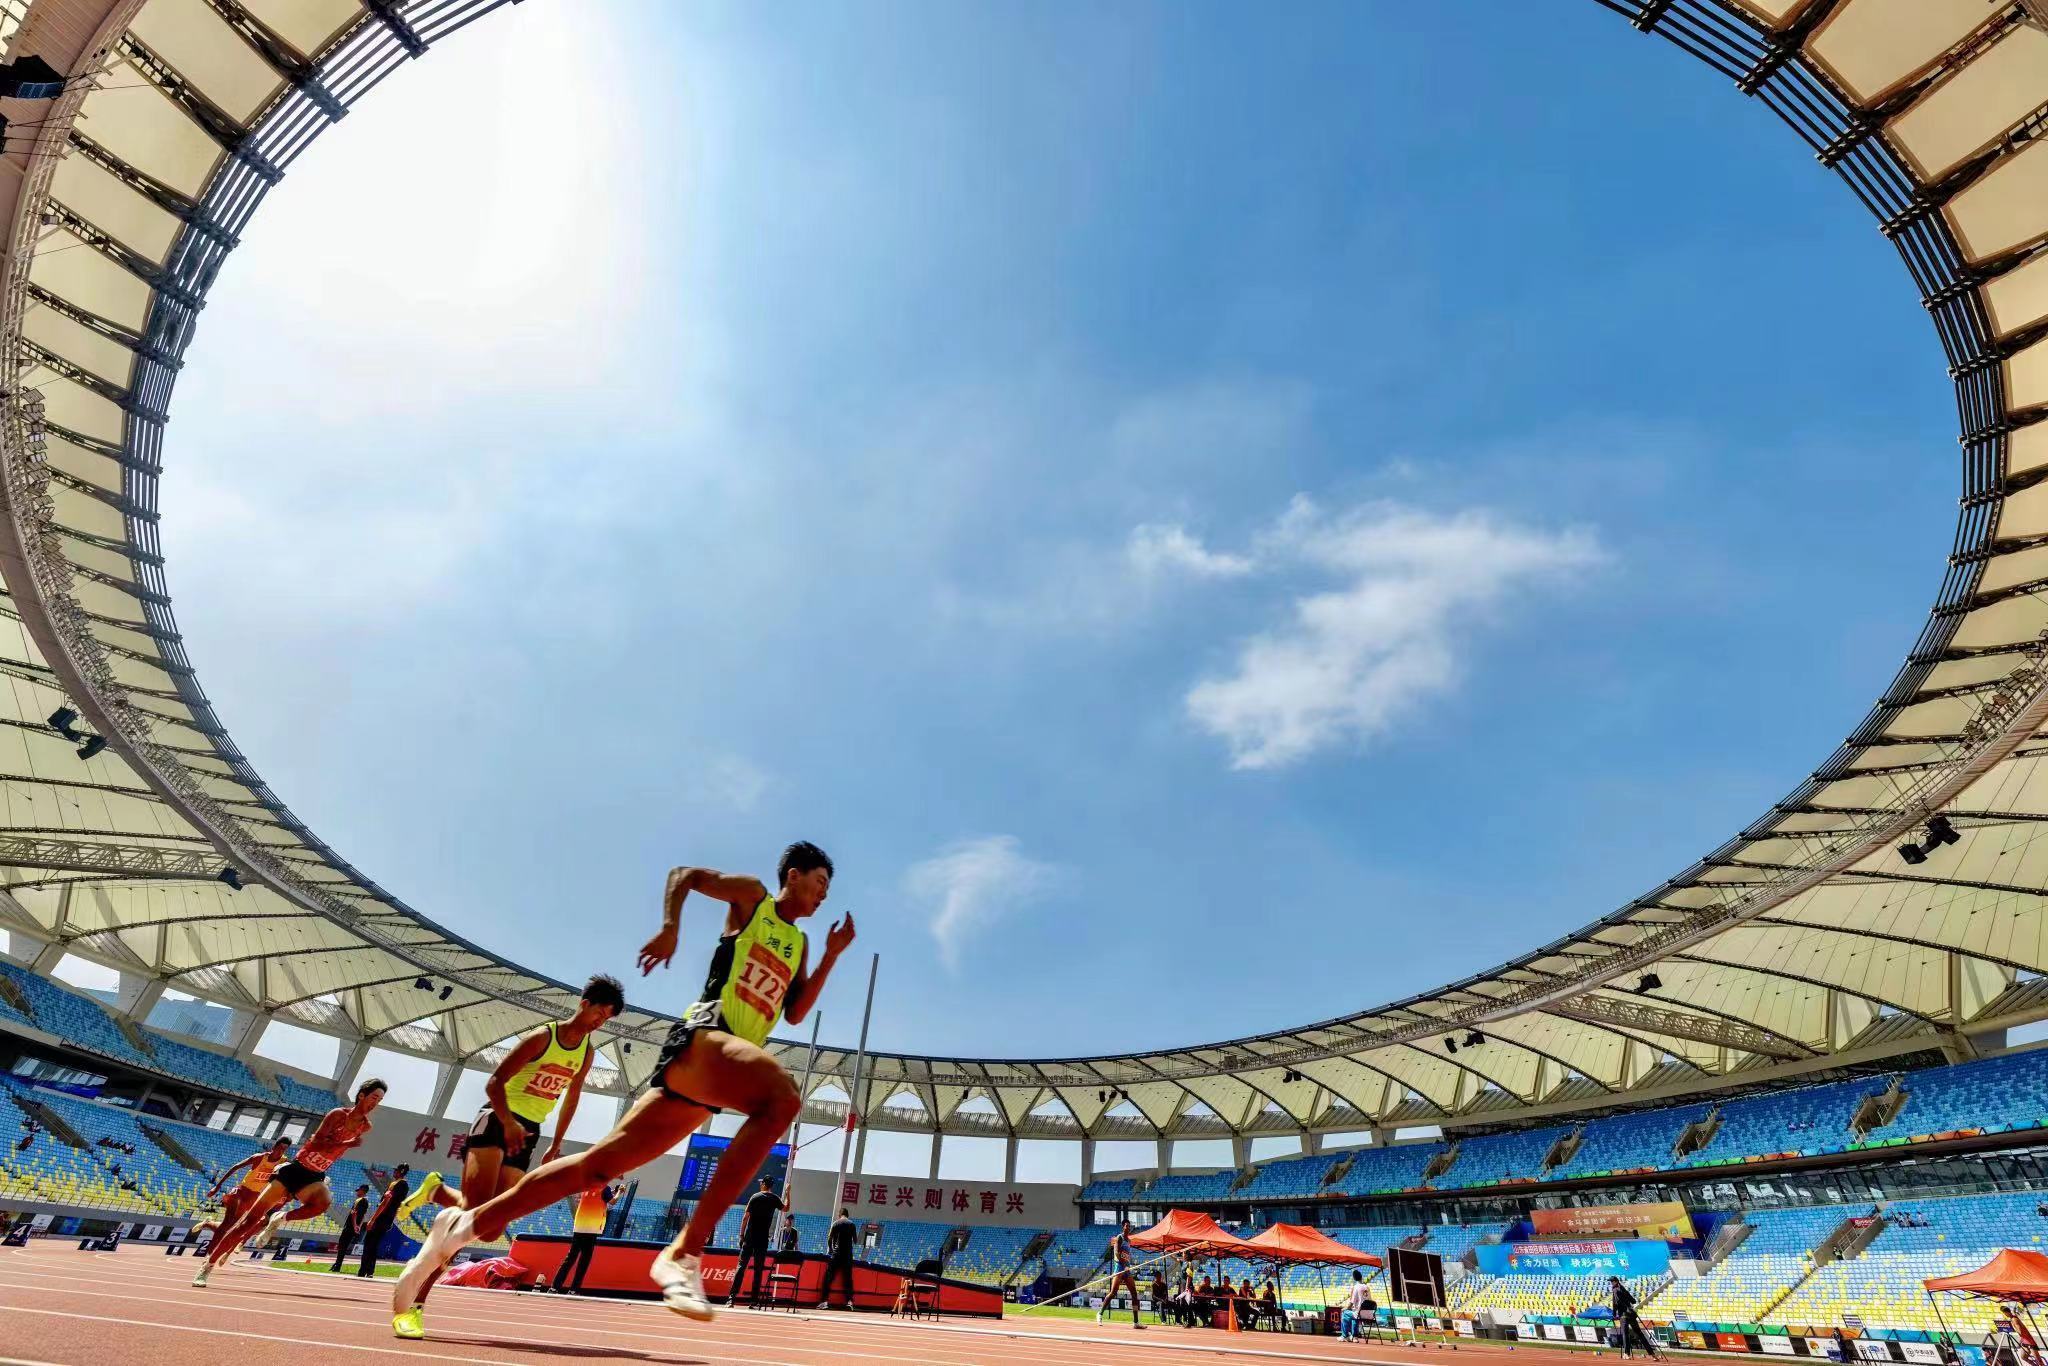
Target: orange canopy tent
[1185,1231]
[2014,1276]
[1299,1243]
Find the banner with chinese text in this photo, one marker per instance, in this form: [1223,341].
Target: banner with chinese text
[1669,1221]
[1016,1204]
[1627,1257]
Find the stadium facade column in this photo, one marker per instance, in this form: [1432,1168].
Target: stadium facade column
[938,1142]
[445,1076]
[1010,1160]
[1163,1147]
[348,1060]
[244,1030]
[1311,1144]
[43,963]
[1087,1160]
[139,995]
[1240,1151]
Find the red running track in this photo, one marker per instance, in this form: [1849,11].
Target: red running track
[60,1305]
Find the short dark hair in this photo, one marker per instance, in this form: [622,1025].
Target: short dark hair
[767,1183]
[604,990]
[843,1214]
[802,857]
[373,1084]
[401,1169]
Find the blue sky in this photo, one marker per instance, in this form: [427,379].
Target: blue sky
[1289,512]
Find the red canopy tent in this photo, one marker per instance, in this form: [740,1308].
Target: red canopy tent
[1185,1231]
[2014,1276]
[1299,1243]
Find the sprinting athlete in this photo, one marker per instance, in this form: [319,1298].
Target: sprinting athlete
[713,1059]
[1120,1273]
[303,1179]
[259,1167]
[547,1066]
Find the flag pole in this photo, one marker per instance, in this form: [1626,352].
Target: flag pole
[853,1097]
[796,1126]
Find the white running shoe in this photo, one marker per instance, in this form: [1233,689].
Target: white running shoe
[199,1278]
[275,1226]
[682,1286]
[452,1230]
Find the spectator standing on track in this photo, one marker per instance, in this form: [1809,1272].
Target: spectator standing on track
[838,1258]
[383,1219]
[592,1209]
[352,1226]
[756,1226]
[1623,1302]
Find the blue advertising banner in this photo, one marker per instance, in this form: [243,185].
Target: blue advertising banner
[1600,1257]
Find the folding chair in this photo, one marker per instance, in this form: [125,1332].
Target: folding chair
[785,1280]
[922,1286]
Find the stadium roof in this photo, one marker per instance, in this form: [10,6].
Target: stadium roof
[1804,942]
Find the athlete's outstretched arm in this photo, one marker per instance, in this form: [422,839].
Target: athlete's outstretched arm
[243,1165]
[741,894]
[804,992]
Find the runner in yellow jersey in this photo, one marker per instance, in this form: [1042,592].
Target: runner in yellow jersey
[547,1066]
[256,1169]
[713,1059]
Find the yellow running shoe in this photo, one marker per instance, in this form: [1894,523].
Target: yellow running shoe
[428,1185]
[409,1324]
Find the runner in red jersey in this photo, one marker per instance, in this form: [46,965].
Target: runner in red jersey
[303,1179]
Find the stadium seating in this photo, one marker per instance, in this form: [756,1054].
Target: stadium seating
[991,1255]
[1177,1188]
[1922,1238]
[1566,1296]
[1759,1273]
[1396,1167]
[79,1021]
[1639,1141]
[310,1099]
[1286,1177]
[1993,1096]
[1494,1159]
[1114,1192]
[220,1073]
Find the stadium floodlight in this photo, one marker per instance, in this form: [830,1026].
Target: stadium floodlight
[93,745]
[230,876]
[446,992]
[30,78]
[63,721]
[1474,1039]
[1650,982]
[1940,832]
[1912,853]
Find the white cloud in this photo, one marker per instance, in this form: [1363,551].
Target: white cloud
[736,783]
[971,884]
[1156,551]
[1413,588]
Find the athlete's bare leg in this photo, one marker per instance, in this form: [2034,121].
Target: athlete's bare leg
[734,1075]
[653,1125]
[484,1177]
[252,1217]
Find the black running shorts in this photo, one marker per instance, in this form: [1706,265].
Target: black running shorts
[703,1015]
[297,1179]
[487,1132]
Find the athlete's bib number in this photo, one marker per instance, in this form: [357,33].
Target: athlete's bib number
[763,981]
[549,1083]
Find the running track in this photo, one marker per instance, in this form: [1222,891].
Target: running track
[60,1305]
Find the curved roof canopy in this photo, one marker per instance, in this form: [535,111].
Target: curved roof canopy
[1803,942]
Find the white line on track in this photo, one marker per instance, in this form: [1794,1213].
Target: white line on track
[691,1344]
[161,1326]
[833,1334]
